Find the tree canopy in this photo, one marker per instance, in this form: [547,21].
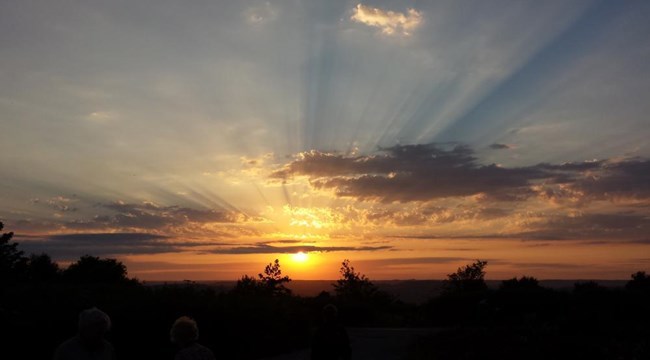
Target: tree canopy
[270,282]
[91,269]
[640,282]
[12,261]
[353,284]
[469,278]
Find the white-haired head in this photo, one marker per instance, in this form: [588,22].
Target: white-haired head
[184,331]
[93,324]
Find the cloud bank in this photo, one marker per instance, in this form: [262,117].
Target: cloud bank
[411,173]
[70,246]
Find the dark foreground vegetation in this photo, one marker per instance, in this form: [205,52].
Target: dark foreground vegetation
[39,304]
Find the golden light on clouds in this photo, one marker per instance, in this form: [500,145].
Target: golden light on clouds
[389,22]
[314,217]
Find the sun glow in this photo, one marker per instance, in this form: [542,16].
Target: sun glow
[300,257]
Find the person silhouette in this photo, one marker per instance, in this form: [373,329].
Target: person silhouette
[330,341]
[184,334]
[89,343]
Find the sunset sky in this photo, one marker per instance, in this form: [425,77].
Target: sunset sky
[203,139]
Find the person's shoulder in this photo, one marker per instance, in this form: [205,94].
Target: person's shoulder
[73,341]
[108,347]
[67,348]
[205,352]
[195,351]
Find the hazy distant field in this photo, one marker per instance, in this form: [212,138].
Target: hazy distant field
[411,291]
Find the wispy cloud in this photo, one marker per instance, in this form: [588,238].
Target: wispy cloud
[412,261]
[70,246]
[141,217]
[262,13]
[270,249]
[62,203]
[498,146]
[598,228]
[148,215]
[389,22]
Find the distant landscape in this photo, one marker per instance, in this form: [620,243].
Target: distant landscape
[409,291]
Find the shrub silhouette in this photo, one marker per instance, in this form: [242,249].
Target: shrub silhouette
[360,301]
[91,269]
[247,286]
[270,283]
[587,287]
[469,278]
[640,282]
[353,285]
[12,261]
[525,283]
[41,268]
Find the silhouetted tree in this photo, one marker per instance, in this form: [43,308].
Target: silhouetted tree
[587,287]
[247,285]
[524,283]
[91,269]
[272,280]
[41,268]
[640,282]
[12,261]
[352,284]
[469,278]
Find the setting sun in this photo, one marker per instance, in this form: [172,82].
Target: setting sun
[300,257]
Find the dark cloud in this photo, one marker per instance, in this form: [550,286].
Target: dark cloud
[610,228]
[497,146]
[269,249]
[549,265]
[406,173]
[572,166]
[443,237]
[112,238]
[70,246]
[149,215]
[281,241]
[630,179]
[618,226]
[169,266]
[421,215]
[30,225]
